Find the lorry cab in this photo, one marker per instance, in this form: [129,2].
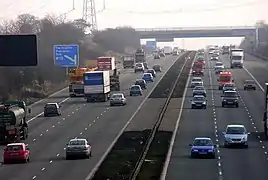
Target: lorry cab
[225,78]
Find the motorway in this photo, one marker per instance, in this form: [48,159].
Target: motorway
[240,164]
[95,121]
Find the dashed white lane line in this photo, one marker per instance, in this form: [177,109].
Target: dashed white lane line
[81,133]
[220,174]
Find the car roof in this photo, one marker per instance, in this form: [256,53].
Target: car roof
[249,81]
[147,74]
[197,78]
[199,96]
[16,144]
[235,125]
[229,91]
[51,103]
[117,94]
[78,139]
[199,87]
[140,80]
[134,85]
[150,69]
[202,138]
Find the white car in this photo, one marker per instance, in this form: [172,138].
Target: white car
[197,81]
[236,135]
[78,147]
[118,99]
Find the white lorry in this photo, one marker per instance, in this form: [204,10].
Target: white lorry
[168,50]
[97,86]
[236,58]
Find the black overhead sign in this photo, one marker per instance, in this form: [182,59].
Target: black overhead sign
[18,50]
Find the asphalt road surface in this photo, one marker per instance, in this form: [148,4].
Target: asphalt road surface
[97,122]
[240,164]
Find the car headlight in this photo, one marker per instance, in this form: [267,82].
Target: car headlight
[224,100]
[244,138]
[227,139]
[194,150]
[204,102]
[210,150]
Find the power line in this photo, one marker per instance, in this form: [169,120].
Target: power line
[188,10]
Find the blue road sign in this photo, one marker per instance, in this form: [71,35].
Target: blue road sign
[66,55]
[151,45]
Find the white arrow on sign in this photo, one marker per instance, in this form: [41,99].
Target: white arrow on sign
[74,60]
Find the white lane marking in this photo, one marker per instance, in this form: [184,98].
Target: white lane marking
[42,113]
[33,177]
[94,170]
[257,82]
[41,100]
[216,126]
[173,138]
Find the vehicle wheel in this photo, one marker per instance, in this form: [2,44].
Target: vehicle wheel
[45,115]
[90,154]
[192,156]
[245,89]
[67,157]
[135,71]
[205,107]
[219,88]
[237,105]
[254,88]
[130,94]
[25,160]
[225,145]
[222,105]
[246,146]
[193,107]
[213,156]
[111,105]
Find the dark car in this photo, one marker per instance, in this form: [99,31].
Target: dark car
[157,68]
[157,56]
[152,71]
[230,98]
[52,109]
[145,65]
[249,84]
[142,83]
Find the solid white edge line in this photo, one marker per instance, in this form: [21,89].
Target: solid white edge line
[173,138]
[96,167]
[257,82]
[41,100]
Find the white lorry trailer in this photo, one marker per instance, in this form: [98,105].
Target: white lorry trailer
[236,58]
[97,86]
[168,50]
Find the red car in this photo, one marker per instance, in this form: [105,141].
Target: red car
[16,152]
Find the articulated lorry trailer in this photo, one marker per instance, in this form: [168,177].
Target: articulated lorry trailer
[97,86]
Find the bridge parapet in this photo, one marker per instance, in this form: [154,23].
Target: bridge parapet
[194,28]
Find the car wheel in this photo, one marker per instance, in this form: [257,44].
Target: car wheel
[226,145]
[205,107]
[111,105]
[192,156]
[246,146]
[222,105]
[67,157]
[90,154]
[245,89]
[237,105]
[193,107]
[130,94]
[254,88]
[213,156]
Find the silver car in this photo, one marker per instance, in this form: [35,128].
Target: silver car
[199,101]
[78,147]
[199,90]
[196,81]
[229,87]
[118,99]
[236,135]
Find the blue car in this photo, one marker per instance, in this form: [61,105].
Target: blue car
[148,77]
[203,146]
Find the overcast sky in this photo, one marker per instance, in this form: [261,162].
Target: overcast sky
[153,13]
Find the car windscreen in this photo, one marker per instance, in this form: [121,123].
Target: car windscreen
[117,96]
[50,106]
[199,88]
[196,80]
[235,130]
[203,142]
[135,88]
[228,85]
[225,78]
[139,65]
[230,94]
[77,143]
[199,98]
[14,148]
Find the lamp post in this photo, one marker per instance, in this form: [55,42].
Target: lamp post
[265,111]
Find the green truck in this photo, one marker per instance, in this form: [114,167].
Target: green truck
[13,122]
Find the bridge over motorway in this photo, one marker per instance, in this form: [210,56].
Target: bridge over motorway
[168,34]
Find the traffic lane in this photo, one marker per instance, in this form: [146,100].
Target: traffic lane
[104,131]
[257,68]
[42,124]
[239,163]
[193,123]
[252,100]
[53,134]
[62,96]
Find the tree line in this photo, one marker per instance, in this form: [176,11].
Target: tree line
[250,45]
[38,82]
